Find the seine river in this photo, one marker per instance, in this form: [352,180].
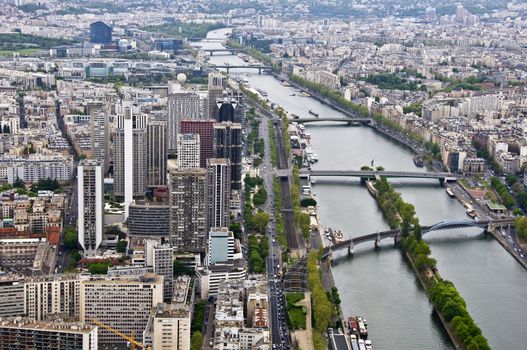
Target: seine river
[379,284]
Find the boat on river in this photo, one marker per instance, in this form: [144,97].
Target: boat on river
[313,113]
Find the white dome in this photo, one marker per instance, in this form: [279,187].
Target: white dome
[181,77]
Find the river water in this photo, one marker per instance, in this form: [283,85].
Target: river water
[379,284]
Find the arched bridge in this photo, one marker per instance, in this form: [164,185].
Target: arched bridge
[341,120]
[395,234]
[373,174]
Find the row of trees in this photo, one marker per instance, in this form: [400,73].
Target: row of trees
[258,252]
[390,202]
[451,305]
[337,98]
[278,217]
[443,294]
[521,227]
[322,306]
[331,94]
[503,191]
[302,219]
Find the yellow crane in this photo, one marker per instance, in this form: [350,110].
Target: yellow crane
[133,342]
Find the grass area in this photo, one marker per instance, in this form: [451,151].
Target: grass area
[18,41]
[23,52]
[296,314]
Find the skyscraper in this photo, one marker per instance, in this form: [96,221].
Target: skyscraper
[228,144]
[90,205]
[205,130]
[188,209]
[100,136]
[130,155]
[217,83]
[219,186]
[188,146]
[183,105]
[157,153]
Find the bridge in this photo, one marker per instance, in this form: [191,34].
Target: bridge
[207,40]
[373,174]
[395,234]
[230,51]
[230,66]
[341,120]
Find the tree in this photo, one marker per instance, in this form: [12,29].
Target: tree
[260,221]
[99,268]
[308,202]
[236,229]
[521,227]
[70,238]
[121,246]
[19,183]
[195,342]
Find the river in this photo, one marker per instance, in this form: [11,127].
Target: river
[379,284]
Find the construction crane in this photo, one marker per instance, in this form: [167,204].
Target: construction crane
[131,340]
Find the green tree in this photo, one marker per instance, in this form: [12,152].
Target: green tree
[99,268]
[195,342]
[70,238]
[308,202]
[236,229]
[521,227]
[121,246]
[260,221]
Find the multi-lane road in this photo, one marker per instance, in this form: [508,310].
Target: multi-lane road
[277,316]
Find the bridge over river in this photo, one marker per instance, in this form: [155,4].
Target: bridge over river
[395,234]
[374,174]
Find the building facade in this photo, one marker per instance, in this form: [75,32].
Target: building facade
[188,156]
[183,105]
[188,209]
[156,136]
[219,189]
[228,144]
[205,130]
[121,301]
[146,219]
[27,334]
[90,196]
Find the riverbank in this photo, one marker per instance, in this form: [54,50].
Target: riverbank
[388,132]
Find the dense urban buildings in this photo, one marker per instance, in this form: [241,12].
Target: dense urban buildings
[158,160]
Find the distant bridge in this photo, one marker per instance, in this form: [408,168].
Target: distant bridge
[228,67]
[230,51]
[373,174]
[341,120]
[207,40]
[395,234]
